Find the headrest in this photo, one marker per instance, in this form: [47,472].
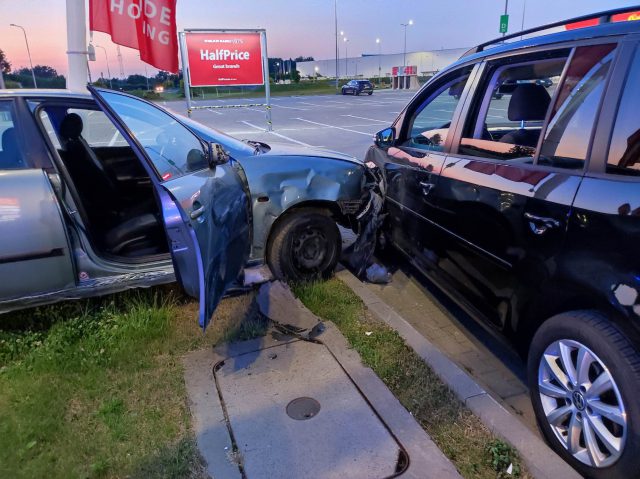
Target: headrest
[529,102]
[9,140]
[71,126]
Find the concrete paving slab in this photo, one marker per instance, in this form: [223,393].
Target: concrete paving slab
[344,438]
[221,440]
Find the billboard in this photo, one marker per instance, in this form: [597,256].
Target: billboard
[224,58]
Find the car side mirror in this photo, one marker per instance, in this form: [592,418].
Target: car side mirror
[217,155]
[385,138]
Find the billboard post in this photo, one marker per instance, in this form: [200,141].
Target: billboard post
[214,58]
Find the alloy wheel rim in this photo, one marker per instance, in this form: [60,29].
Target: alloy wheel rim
[582,403]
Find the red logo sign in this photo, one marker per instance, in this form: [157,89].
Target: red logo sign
[217,59]
[148,26]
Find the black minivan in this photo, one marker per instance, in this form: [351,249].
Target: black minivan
[513,182]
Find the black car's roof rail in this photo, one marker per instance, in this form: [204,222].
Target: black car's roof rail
[602,17]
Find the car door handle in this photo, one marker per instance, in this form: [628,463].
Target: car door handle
[426,187]
[197,212]
[540,224]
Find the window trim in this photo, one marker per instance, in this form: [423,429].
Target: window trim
[603,133]
[427,95]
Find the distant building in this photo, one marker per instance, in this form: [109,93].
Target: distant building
[366,66]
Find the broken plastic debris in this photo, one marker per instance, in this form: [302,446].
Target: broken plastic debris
[378,274]
[510,469]
[368,333]
[257,275]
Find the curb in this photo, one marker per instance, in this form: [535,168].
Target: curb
[539,458]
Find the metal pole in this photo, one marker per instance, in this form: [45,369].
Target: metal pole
[506,8]
[379,60]
[335,13]
[76,45]
[185,71]
[267,86]
[346,56]
[33,75]
[106,57]
[2,87]
[524,9]
[404,61]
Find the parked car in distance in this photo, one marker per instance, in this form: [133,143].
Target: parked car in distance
[107,192]
[356,87]
[525,209]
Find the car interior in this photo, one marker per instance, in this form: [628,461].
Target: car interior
[115,194]
[507,118]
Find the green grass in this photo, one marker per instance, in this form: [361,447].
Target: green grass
[95,388]
[474,450]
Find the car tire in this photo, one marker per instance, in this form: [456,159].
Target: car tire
[356,93]
[579,405]
[304,246]
[370,93]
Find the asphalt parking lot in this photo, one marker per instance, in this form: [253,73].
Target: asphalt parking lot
[341,123]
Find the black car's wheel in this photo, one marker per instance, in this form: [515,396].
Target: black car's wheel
[356,92]
[342,91]
[370,93]
[584,380]
[304,246]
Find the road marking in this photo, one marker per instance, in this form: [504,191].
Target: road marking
[291,107]
[278,135]
[333,126]
[365,118]
[114,138]
[213,111]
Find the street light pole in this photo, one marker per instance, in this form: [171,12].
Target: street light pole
[106,57]
[35,85]
[506,8]
[379,60]
[346,57]
[405,25]
[335,14]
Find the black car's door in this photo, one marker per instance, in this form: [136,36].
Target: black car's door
[504,198]
[411,156]
[605,224]
[205,207]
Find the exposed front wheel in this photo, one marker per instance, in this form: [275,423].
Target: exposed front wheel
[304,246]
[584,380]
[370,93]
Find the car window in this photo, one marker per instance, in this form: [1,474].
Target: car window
[98,130]
[568,134]
[173,149]
[11,156]
[429,124]
[48,127]
[506,120]
[624,152]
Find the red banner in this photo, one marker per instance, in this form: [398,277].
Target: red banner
[148,26]
[620,17]
[218,59]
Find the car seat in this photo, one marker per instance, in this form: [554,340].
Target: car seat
[529,102]
[10,157]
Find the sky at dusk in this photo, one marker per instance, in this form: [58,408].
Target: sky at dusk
[303,27]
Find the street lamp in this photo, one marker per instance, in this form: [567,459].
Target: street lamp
[346,56]
[316,69]
[379,59]
[405,25]
[107,59]
[277,70]
[146,74]
[35,85]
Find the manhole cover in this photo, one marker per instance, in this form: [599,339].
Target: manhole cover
[303,408]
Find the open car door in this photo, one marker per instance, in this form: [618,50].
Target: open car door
[204,204]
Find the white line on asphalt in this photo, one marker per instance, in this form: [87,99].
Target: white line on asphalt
[365,118]
[213,111]
[277,134]
[336,127]
[114,138]
[291,107]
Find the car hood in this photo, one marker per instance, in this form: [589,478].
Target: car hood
[281,149]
